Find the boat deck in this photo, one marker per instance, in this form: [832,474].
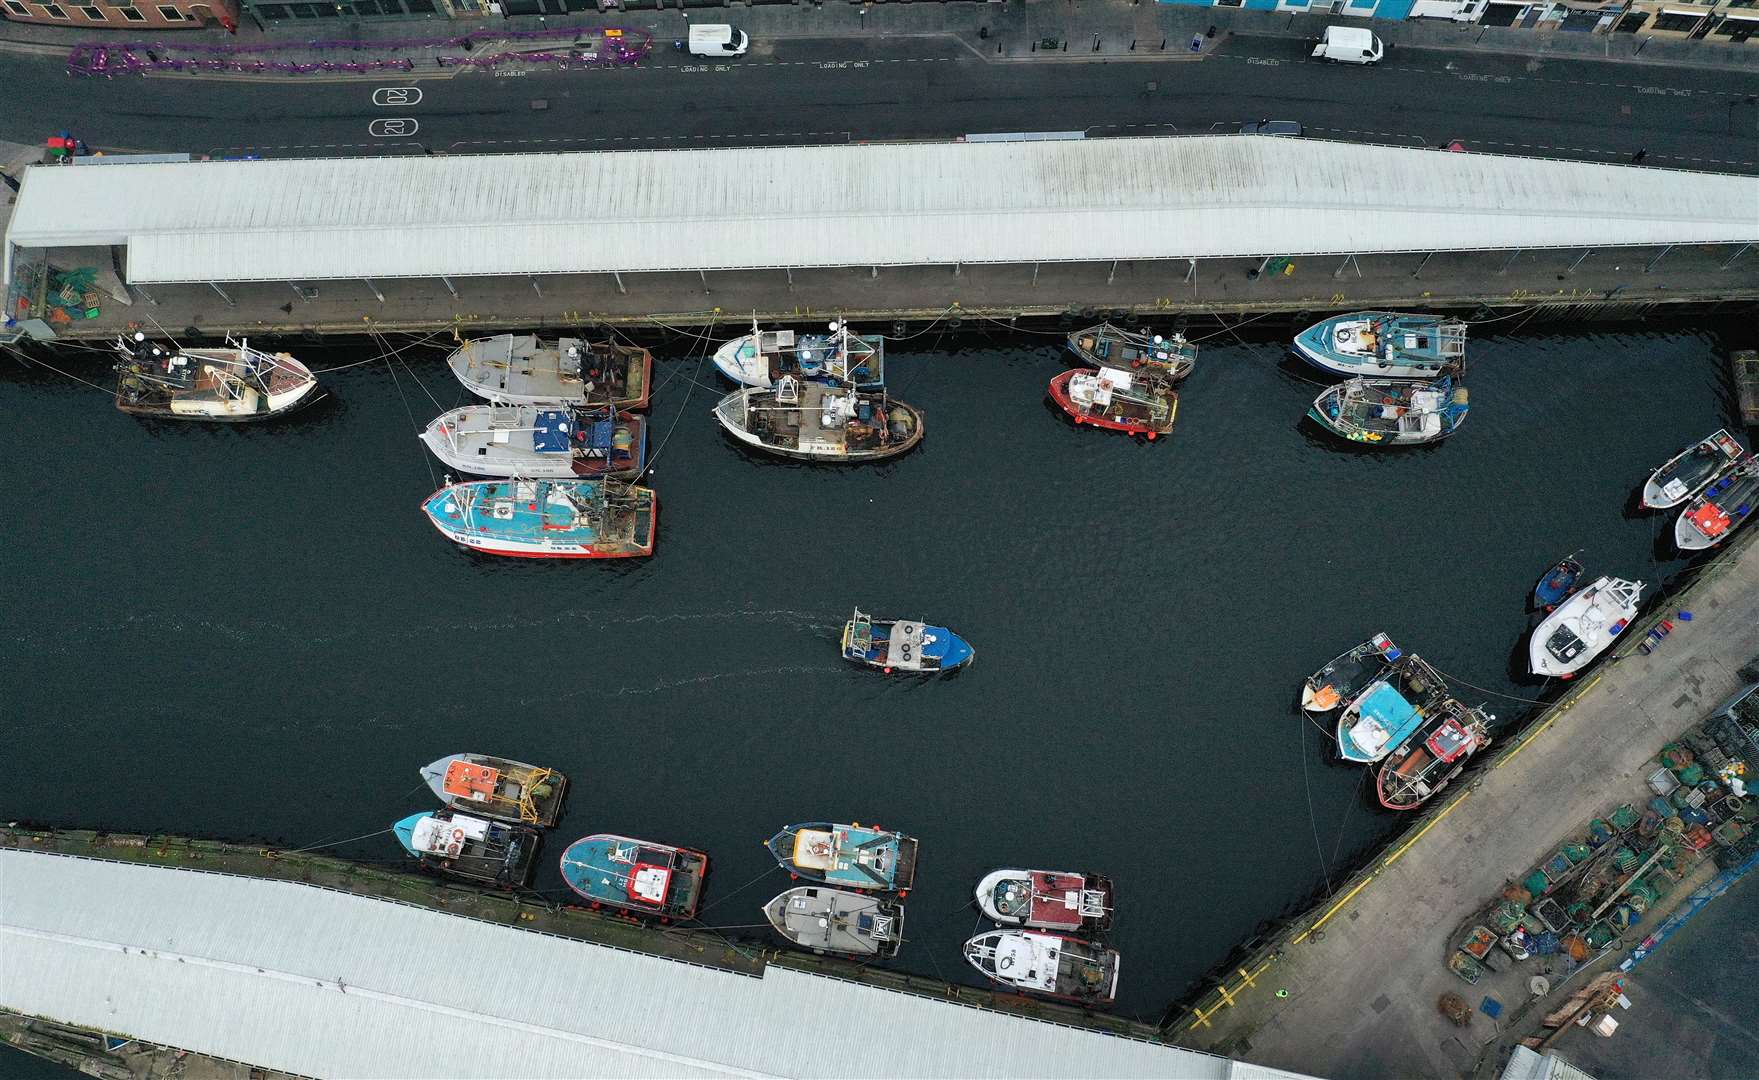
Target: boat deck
[1746,372]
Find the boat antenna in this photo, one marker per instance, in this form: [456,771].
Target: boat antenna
[174,342]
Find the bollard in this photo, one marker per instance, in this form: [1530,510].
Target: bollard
[1035,46]
[1132,44]
[1065,44]
[1163,44]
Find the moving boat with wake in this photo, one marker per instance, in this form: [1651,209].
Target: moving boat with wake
[1390,711]
[764,356]
[1348,675]
[636,876]
[498,787]
[521,369]
[828,920]
[1385,344]
[470,848]
[1051,965]
[1047,900]
[850,856]
[1582,627]
[1117,400]
[230,384]
[1108,346]
[1690,471]
[815,421]
[547,519]
[1720,508]
[1415,772]
[903,645]
[1392,412]
[538,442]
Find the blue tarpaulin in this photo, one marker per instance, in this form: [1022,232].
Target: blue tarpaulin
[550,434]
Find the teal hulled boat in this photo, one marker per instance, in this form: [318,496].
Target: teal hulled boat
[470,848]
[853,856]
[1384,344]
[636,875]
[1384,716]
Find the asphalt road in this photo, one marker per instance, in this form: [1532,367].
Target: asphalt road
[902,87]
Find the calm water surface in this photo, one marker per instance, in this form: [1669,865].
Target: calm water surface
[254,632]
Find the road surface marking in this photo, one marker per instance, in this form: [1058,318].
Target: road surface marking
[394,127]
[397,95]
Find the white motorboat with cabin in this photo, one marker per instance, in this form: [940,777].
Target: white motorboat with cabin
[763,356]
[1583,626]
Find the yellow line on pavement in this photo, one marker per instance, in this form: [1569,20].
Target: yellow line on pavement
[1555,713]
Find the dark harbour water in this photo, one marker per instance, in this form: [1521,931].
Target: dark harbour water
[253,632]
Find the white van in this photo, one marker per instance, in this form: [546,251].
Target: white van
[1349,45]
[714,39]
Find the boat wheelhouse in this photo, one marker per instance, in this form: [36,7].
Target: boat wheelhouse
[498,788]
[1690,471]
[1387,344]
[230,384]
[1582,627]
[539,442]
[850,856]
[547,519]
[1348,675]
[1052,965]
[1390,711]
[470,848]
[1107,346]
[1117,400]
[1392,412]
[815,421]
[762,357]
[1415,772]
[1047,900]
[521,369]
[828,920]
[636,876]
[903,645]
[1720,508]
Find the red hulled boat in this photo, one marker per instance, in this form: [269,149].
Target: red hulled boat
[1117,400]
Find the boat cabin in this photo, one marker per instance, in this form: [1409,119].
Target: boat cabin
[1051,900]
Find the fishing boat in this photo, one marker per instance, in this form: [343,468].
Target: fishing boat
[498,787]
[547,519]
[1347,676]
[851,856]
[902,645]
[519,369]
[1392,412]
[1384,344]
[1558,583]
[1053,965]
[1583,626]
[837,921]
[1389,711]
[231,384]
[816,421]
[1690,471]
[1117,400]
[539,442]
[636,876]
[1047,900]
[1424,765]
[470,848]
[1720,508]
[1105,345]
[764,356]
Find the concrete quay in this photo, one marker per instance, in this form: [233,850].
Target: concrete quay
[1351,990]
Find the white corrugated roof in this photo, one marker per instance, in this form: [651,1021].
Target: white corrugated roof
[324,983]
[879,205]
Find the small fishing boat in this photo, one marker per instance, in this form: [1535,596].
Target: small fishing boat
[901,645]
[852,856]
[470,848]
[1053,965]
[837,921]
[1720,508]
[1047,900]
[498,787]
[1437,754]
[816,421]
[763,356]
[1385,344]
[1117,400]
[1347,676]
[230,384]
[1689,471]
[1392,412]
[1108,346]
[538,442]
[636,876]
[519,369]
[547,519]
[1389,711]
[1583,626]
[1558,583]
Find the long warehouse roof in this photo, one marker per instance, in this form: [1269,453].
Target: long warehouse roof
[855,205]
[319,982]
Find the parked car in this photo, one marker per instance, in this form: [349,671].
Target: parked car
[1272,127]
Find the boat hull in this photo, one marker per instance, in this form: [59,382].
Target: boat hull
[452,517]
[850,872]
[546,807]
[1311,346]
[1582,628]
[296,402]
[1059,392]
[1104,992]
[725,416]
[502,462]
[592,873]
[1052,915]
[819,919]
[1348,674]
[1679,479]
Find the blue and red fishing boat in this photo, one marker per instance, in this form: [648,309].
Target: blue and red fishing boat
[547,519]
[636,876]
[1558,583]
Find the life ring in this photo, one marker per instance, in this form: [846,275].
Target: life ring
[1387,401]
[1005,963]
[458,835]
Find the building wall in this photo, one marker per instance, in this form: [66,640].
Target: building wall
[120,15]
[1709,20]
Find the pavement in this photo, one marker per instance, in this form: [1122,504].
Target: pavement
[1361,990]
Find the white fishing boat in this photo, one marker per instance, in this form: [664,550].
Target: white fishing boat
[1720,508]
[232,383]
[1690,471]
[1054,965]
[538,442]
[1384,344]
[817,421]
[521,369]
[763,356]
[1583,626]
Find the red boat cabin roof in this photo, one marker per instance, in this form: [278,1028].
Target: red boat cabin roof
[465,780]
